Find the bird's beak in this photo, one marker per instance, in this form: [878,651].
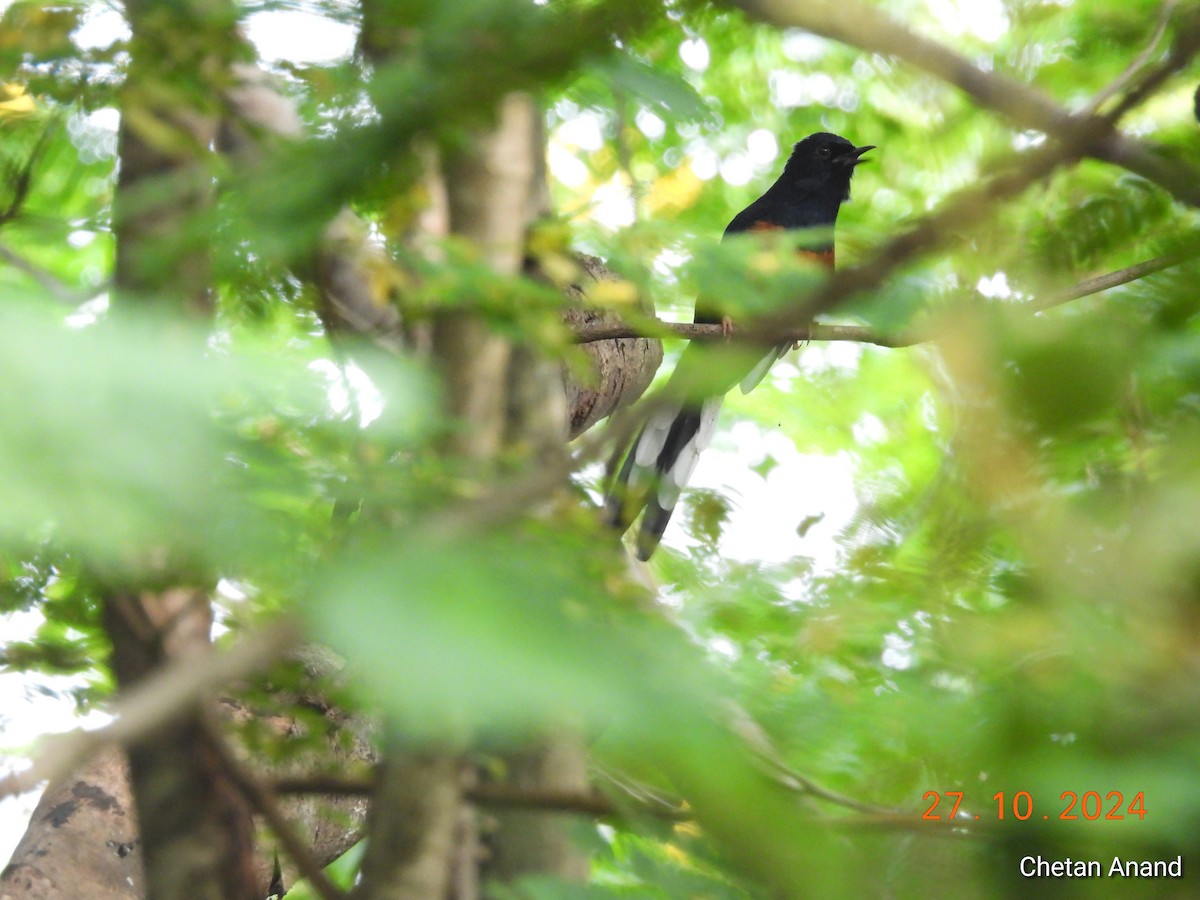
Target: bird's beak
[854,157]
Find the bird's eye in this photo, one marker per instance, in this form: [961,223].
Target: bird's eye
[824,151]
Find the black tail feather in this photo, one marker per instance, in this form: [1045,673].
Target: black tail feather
[636,486]
[619,508]
[654,523]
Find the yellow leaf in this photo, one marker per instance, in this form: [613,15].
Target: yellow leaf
[691,829]
[15,100]
[612,293]
[674,192]
[677,854]
[559,268]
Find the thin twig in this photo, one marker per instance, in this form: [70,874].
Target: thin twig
[492,795]
[803,785]
[330,785]
[1122,81]
[1090,286]
[21,179]
[625,153]
[505,796]
[693,331]
[58,289]
[1187,43]
[868,815]
[912,823]
[608,331]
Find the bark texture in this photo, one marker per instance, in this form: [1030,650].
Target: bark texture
[168,122]
[82,841]
[197,832]
[413,824]
[539,842]
[196,829]
[620,370]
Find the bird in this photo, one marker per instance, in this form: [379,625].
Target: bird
[661,458]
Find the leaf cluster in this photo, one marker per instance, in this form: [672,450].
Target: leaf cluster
[1010,602]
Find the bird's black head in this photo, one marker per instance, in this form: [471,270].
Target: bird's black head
[825,162]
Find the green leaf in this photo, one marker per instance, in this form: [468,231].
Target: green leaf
[659,89]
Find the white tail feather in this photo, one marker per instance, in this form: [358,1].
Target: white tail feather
[675,479]
[759,372]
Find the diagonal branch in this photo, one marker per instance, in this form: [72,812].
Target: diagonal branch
[584,803]
[1136,65]
[143,709]
[1146,82]
[609,331]
[963,211]
[860,25]
[58,289]
[1100,283]
[20,178]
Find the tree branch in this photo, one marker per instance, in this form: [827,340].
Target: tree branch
[958,214]
[586,803]
[1100,283]
[20,178]
[1122,81]
[1145,83]
[694,331]
[857,24]
[58,289]
[608,331]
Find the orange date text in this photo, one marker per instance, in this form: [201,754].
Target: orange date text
[1071,806]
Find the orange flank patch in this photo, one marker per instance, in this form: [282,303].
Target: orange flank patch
[824,257]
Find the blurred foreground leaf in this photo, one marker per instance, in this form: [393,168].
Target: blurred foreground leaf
[129,441]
